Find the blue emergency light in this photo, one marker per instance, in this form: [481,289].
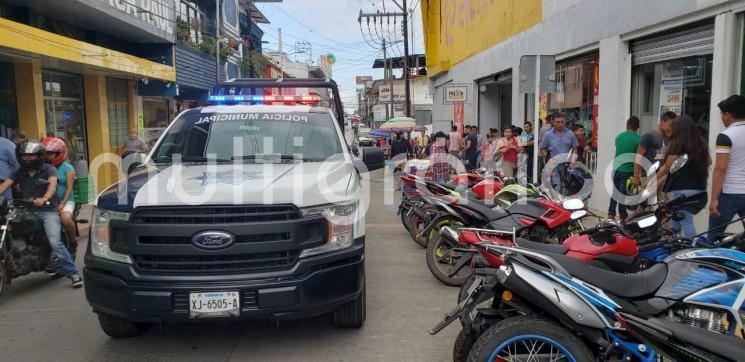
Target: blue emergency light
[261,99]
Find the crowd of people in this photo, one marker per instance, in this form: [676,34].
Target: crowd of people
[511,149]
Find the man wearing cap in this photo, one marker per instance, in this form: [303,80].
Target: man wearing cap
[728,180]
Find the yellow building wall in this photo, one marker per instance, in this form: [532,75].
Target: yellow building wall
[97,124]
[30,99]
[457,29]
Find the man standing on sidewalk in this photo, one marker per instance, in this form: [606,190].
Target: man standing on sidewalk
[652,145]
[626,144]
[8,164]
[439,158]
[728,182]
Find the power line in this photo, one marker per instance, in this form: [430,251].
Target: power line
[307,27]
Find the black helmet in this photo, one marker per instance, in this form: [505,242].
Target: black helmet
[31,147]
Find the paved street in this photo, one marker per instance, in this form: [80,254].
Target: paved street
[44,320]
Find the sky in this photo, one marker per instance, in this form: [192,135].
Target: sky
[331,26]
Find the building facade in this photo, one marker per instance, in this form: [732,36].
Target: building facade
[70,69]
[613,59]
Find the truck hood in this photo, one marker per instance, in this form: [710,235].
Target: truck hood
[301,184]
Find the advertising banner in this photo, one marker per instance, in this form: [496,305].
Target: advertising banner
[458,116]
[456,93]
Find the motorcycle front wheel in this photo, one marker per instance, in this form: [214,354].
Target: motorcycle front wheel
[529,339]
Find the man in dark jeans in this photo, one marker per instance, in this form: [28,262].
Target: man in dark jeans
[623,167]
[37,181]
[728,180]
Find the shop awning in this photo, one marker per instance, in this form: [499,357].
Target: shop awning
[26,40]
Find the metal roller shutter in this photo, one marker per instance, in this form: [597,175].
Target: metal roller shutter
[680,44]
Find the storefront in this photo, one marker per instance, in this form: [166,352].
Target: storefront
[575,93]
[673,72]
[495,101]
[8,112]
[156,115]
[64,111]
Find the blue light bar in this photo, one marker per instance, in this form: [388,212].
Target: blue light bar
[217,98]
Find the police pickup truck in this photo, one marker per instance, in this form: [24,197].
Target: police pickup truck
[250,207]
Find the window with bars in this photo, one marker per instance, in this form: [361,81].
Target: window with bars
[117,96]
[189,13]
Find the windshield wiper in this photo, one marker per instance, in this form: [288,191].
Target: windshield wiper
[191,159]
[275,157]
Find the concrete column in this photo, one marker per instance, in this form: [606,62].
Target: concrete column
[614,103]
[518,101]
[30,99]
[723,85]
[97,124]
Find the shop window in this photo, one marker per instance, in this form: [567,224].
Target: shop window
[117,96]
[189,13]
[156,117]
[64,114]
[8,111]
[682,86]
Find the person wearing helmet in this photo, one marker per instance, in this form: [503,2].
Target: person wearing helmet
[37,181]
[57,156]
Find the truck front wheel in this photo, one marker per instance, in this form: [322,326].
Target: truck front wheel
[120,328]
[352,314]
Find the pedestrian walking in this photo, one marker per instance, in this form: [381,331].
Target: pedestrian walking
[728,180]
[438,156]
[627,143]
[487,152]
[527,141]
[471,150]
[685,139]
[652,146]
[480,139]
[454,140]
[399,146]
[8,164]
[508,148]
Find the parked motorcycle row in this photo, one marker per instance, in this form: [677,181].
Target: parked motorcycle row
[537,284]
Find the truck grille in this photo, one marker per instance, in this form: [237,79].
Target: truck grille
[215,215]
[216,263]
[248,301]
[184,240]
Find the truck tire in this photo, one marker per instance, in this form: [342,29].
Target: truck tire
[120,328]
[504,334]
[352,314]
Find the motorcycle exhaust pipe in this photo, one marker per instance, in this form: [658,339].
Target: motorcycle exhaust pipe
[448,233]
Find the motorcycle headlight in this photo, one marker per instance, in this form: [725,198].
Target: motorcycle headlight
[340,219]
[101,235]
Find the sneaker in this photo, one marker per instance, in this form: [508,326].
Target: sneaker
[52,268]
[77,281]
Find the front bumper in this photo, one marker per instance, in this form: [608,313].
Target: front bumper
[315,285]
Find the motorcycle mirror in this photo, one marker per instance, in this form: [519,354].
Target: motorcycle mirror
[578,214]
[573,204]
[679,162]
[647,222]
[481,170]
[653,169]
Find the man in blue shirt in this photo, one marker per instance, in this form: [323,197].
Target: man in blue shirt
[558,141]
[8,164]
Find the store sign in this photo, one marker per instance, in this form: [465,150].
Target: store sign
[154,16]
[379,113]
[361,79]
[384,93]
[456,93]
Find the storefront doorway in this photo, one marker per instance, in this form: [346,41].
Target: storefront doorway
[672,72]
[8,111]
[495,101]
[65,115]
[156,114]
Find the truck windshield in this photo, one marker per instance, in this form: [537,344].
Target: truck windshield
[238,135]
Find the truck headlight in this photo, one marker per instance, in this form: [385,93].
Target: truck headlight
[340,219]
[101,235]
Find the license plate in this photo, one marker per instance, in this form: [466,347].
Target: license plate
[214,304]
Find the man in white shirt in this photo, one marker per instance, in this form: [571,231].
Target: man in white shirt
[728,181]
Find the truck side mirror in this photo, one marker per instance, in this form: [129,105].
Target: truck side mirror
[372,158]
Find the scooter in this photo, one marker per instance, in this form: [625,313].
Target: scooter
[24,247]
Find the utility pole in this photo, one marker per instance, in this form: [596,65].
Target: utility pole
[279,50]
[217,41]
[407,72]
[385,77]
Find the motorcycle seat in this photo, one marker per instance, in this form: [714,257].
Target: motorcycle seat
[632,285]
[549,248]
[486,208]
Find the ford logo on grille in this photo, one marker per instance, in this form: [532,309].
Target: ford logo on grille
[212,240]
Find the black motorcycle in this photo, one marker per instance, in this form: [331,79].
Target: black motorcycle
[24,247]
